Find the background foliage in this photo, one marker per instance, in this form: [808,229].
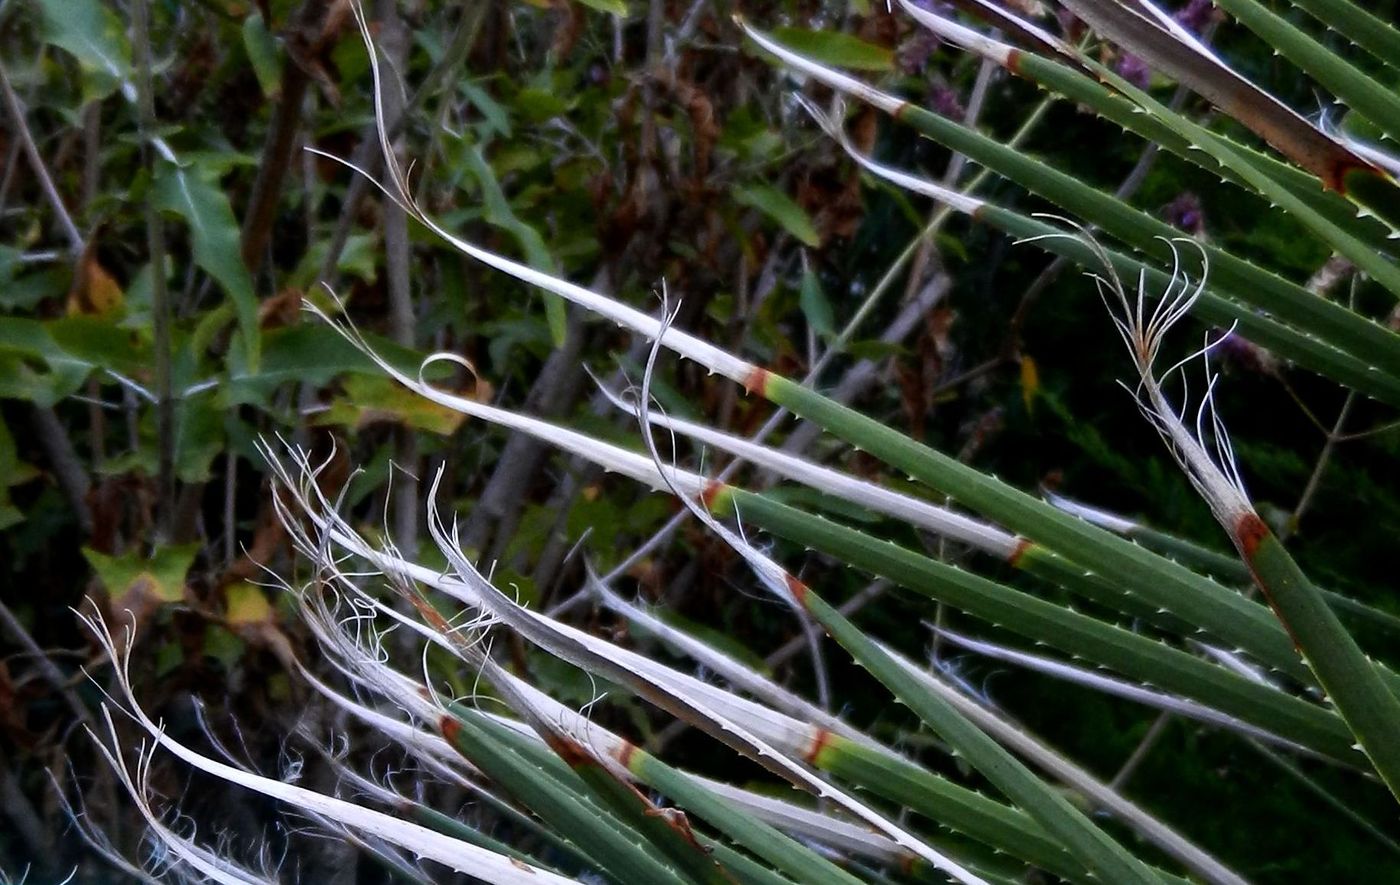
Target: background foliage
[150,333]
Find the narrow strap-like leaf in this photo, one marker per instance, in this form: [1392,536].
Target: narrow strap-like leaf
[612,844]
[1352,683]
[1087,842]
[1140,28]
[1358,90]
[1131,654]
[1375,35]
[1242,280]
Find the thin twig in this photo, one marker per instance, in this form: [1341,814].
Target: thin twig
[1335,434]
[68,468]
[1324,457]
[160,295]
[404,504]
[47,668]
[1139,754]
[280,146]
[36,163]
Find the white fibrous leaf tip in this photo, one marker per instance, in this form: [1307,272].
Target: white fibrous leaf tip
[835,79]
[1203,448]
[171,850]
[773,576]
[830,123]
[367,823]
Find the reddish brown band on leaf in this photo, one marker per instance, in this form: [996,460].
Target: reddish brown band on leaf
[757,380]
[577,756]
[1250,532]
[1022,545]
[1343,169]
[819,743]
[625,753]
[798,590]
[712,490]
[450,728]
[570,750]
[1013,61]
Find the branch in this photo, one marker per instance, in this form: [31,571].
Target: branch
[36,161]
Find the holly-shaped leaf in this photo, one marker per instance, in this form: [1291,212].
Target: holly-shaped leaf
[160,576]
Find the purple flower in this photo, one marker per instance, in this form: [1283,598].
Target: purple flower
[946,101]
[1185,213]
[1134,70]
[1195,15]
[915,52]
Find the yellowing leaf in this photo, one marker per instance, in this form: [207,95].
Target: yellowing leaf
[370,400]
[160,576]
[1030,382]
[246,603]
[94,290]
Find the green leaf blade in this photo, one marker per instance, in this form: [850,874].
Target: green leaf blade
[190,193]
[782,209]
[836,48]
